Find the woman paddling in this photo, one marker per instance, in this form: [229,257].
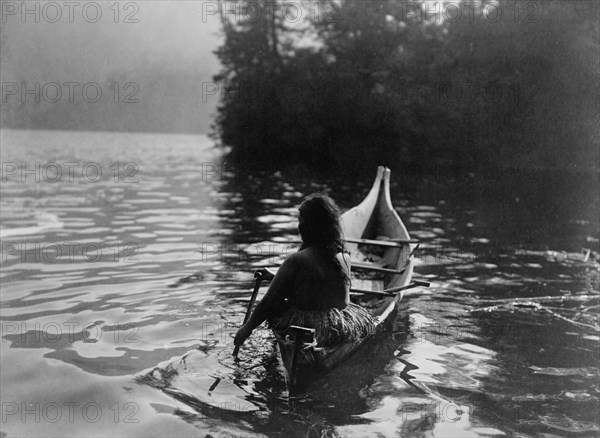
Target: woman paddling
[312,286]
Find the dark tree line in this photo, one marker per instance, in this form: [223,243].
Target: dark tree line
[509,84]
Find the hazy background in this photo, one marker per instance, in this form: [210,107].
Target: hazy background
[415,89]
[167,53]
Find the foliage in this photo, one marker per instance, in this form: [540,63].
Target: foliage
[380,83]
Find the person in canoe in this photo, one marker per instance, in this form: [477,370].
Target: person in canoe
[312,287]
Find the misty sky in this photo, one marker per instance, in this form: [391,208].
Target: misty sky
[161,62]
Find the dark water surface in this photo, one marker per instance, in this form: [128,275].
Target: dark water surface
[119,299]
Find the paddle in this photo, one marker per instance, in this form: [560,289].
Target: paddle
[387,292]
[390,292]
[370,267]
[258,278]
[395,243]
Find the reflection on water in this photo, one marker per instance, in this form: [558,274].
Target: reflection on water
[121,291]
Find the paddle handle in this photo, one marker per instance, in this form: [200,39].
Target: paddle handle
[258,277]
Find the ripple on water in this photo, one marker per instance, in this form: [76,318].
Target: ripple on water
[432,376]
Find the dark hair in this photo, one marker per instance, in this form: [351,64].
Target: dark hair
[320,228]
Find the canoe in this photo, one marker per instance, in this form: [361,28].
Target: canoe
[381,248]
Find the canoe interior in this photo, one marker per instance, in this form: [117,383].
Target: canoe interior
[374,218]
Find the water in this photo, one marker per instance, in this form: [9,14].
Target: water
[120,294]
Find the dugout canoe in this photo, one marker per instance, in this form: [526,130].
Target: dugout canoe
[372,224]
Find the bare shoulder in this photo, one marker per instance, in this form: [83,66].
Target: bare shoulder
[288,269]
[293,261]
[308,258]
[300,257]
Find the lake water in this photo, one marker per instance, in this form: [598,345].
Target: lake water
[127,266]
